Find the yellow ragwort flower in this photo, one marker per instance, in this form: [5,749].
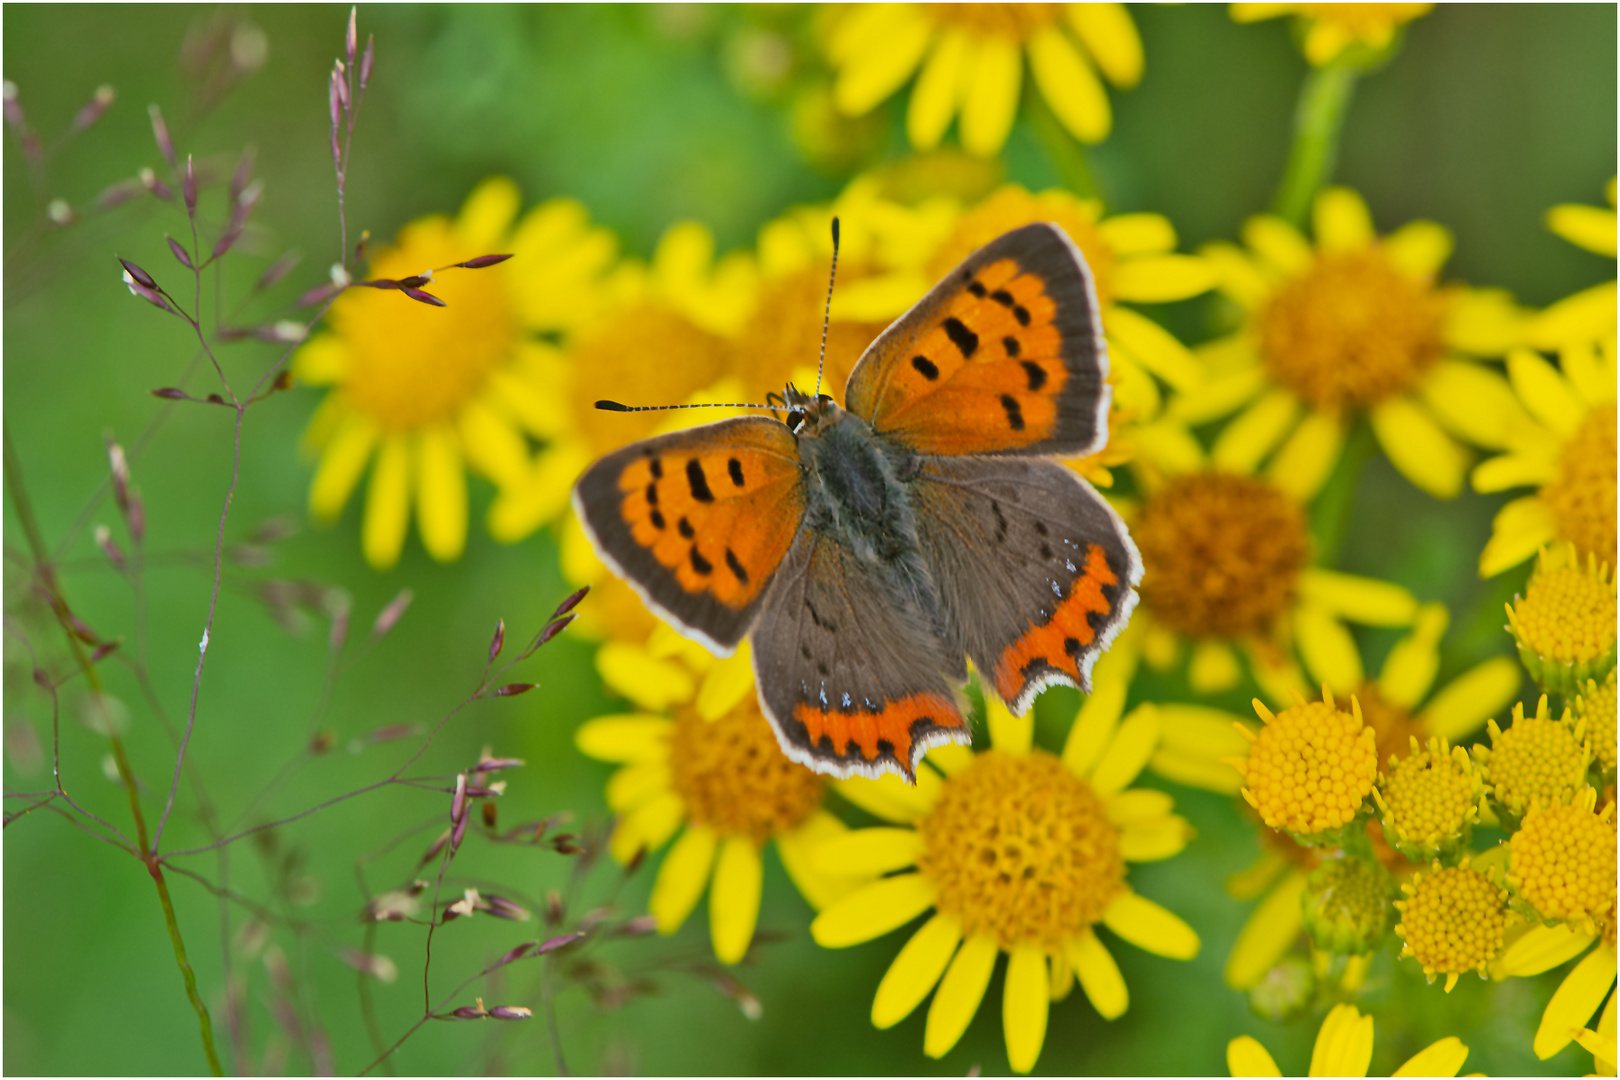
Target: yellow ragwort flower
[1562,862]
[1429,801]
[1582,991]
[1347,905]
[701,760]
[1310,768]
[1014,850]
[1564,624]
[1344,1047]
[431,392]
[1536,759]
[1452,920]
[1595,707]
[1567,451]
[971,65]
[1589,315]
[1330,29]
[1358,325]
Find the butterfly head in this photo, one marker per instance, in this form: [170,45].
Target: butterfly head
[808,414]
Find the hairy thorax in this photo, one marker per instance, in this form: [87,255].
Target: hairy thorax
[856,484]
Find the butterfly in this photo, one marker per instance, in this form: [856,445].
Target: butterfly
[869,548]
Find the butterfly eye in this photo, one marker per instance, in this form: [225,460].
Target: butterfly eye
[795,419]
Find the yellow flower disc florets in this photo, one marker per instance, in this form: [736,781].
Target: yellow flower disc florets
[1562,862]
[1015,21]
[1347,905]
[1582,496]
[1429,800]
[1012,206]
[734,777]
[1596,709]
[1452,921]
[1351,332]
[1222,555]
[1310,767]
[412,365]
[1565,623]
[1022,849]
[1537,759]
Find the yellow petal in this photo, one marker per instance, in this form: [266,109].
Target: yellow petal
[1307,457]
[1344,1045]
[1341,221]
[636,784]
[487,214]
[341,464]
[493,447]
[1220,394]
[1328,650]
[1463,705]
[991,100]
[1148,926]
[1099,976]
[868,851]
[1198,729]
[1268,933]
[1519,530]
[734,900]
[1473,402]
[651,683]
[1138,234]
[796,848]
[1129,751]
[1526,468]
[1068,85]
[1589,227]
[1110,37]
[322,360]
[1325,40]
[890,797]
[1591,374]
[892,42]
[1244,1054]
[1094,724]
[950,758]
[1170,446]
[1419,449]
[1484,322]
[873,911]
[648,827]
[1139,806]
[938,89]
[1546,393]
[959,994]
[388,504]
[1154,840]
[682,878]
[1358,599]
[1418,249]
[1443,1057]
[1195,770]
[1244,442]
[1008,733]
[916,970]
[1541,948]
[1409,669]
[441,494]
[1154,347]
[624,738]
[727,684]
[1237,276]
[1158,279]
[1588,314]
[1575,1000]
[1280,246]
[520,510]
[1250,882]
[1213,667]
[1024,1006]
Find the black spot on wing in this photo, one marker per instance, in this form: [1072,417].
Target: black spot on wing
[735,565]
[1036,373]
[976,289]
[657,519]
[699,563]
[685,528]
[1003,297]
[698,482]
[1001,521]
[1021,313]
[965,340]
[1015,412]
[1011,345]
[652,494]
[925,367]
[657,467]
[734,468]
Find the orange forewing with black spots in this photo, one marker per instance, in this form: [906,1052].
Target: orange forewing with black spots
[699,519]
[1004,356]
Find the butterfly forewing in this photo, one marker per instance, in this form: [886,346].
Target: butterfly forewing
[1004,356]
[1036,569]
[698,520]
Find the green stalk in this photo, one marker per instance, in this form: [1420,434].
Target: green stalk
[1330,511]
[1064,149]
[1318,120]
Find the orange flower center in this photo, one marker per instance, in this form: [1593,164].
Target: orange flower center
[1021,849]
[1392,724]
[1351,331]
[1016,21]
[1222,555]
[411,365]
[734,777]
[1582,498]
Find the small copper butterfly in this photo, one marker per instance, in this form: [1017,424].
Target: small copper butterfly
[869,548]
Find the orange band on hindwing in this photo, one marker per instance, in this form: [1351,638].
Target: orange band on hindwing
[866,729]
[1060,640]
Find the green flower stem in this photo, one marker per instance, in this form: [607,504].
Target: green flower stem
[1330,511]
[149,858]
[1318,120]
[1065,151]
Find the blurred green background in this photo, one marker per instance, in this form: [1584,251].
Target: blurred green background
[1486,117]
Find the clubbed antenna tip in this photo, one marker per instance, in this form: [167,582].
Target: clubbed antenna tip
[611,406]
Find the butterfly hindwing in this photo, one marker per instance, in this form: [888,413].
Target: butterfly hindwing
[1004,356]
[1035,569]
[698,520]
[851,673]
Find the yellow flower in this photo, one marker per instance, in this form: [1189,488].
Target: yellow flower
[1583,990]
[431,391]
[701,760]
[1452,920]
[1014,850]
[1562,862]
[1589,315]
[1595,707]
[1310,768]
[1344,1048]
[1537,759]
[969,56]
[1564,624]
[1356,326]
[1567,451]
[1430,800]
[1226,563]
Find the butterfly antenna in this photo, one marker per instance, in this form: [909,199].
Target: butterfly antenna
[613,406]
[826,318]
